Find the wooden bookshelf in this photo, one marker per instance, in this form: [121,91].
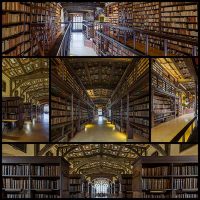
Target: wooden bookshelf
[126,185]
[117,188]
[181,19]
[112,12]
[41,177]
[27,111]
[115,116]
[85,188]
[166,18]
[71,108]
[166,177]
[132,101]
[12,109]
[60,116]
[109,46]
[166,97]
[75,186]
[29,28]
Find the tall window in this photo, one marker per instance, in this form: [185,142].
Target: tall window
[77,22]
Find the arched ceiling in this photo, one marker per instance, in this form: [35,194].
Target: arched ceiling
[93,159]
[182,69]
[99,76]
[81,6]
[30,75]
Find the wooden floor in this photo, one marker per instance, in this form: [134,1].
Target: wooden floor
[35,131]
[166,131]
[101,131]
[78,46]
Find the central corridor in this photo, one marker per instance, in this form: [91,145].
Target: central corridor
[78,45]
[100,130]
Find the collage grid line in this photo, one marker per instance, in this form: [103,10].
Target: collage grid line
[99,99]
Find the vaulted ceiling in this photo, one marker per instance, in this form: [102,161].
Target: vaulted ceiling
[97,159]
[30,75]
[182,69]
[81,6]
[99,76]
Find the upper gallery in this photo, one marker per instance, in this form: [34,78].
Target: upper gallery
[99,29]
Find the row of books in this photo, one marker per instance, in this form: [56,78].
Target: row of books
[13,42]
[180,10]
[141,113]
[60,106]
[156,171]
[185,170]
[75,195]
[155,184]
[15,170]
[59,120]
[45,184]
[14,30]
[141,100]
[75,181]
[157,196]
[49,196]
[9,19]
[185,183]
[20,49]
[75,188]
[17,196]
[58,99]
[11,183]
[186,195]
[15,6]
[48,170]
[144,106]
[141,121]
[58,113]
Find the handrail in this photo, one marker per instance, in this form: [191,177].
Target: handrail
[59,44]
[190,41]
[182,132]
[119,43]
[161,36]
[62,42]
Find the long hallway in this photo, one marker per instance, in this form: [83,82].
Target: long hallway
[100,130]
[79,46]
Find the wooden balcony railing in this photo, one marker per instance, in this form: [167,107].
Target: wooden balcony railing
[186,132]
[127,33]
[61,47]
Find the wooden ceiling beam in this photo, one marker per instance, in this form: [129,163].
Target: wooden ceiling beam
[40,73]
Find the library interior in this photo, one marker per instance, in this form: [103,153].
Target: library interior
[25,100]
[100,28]
[100,100]
[100,170]
[174,95]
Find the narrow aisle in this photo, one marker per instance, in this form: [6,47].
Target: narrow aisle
[78,45]
[166,131]
[99,131]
